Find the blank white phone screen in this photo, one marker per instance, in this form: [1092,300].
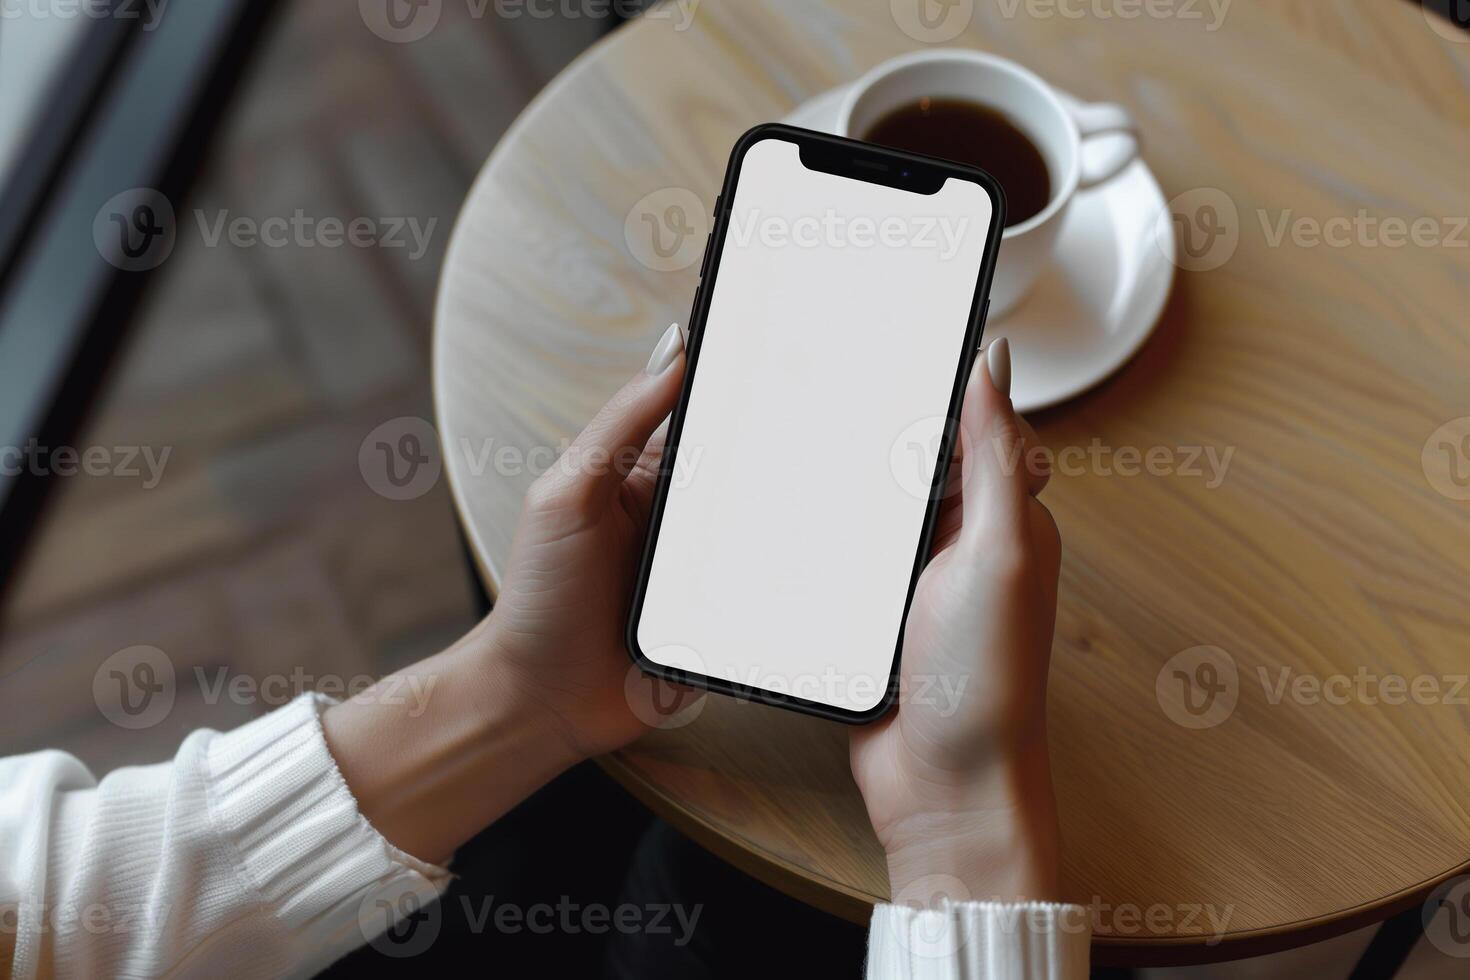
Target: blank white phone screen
[796,507]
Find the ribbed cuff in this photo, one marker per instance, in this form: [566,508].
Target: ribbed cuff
[974,940]
[277,796]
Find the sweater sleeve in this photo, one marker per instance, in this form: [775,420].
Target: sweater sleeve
[244,856]
[979,941]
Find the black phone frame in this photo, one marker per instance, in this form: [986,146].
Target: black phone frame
[873,164]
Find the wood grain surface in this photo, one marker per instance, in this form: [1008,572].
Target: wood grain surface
[1333,547]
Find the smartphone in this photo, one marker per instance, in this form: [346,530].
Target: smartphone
[839,311]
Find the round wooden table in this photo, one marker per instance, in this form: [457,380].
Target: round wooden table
[1332,555]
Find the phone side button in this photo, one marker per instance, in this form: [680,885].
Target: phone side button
[984,315]
[709,244]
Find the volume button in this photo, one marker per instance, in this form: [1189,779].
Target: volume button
[693,313]
[709,244]
[984,315]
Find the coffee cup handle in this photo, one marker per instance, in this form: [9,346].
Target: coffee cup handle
[1104,119]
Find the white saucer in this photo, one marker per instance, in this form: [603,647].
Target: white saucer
[1097,304]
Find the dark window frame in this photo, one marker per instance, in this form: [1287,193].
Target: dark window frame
[135,107]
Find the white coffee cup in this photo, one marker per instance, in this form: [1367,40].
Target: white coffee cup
[1058,130]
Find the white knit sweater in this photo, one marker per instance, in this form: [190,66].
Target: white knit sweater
[246,856]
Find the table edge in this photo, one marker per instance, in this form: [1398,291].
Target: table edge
[437,352]
[855,906]
[818,890]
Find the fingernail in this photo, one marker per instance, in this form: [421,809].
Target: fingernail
[667,351]
[998,360]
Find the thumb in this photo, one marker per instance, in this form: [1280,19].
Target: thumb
[994,472]
[609,447]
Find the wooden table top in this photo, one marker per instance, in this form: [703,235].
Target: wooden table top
[1332,556]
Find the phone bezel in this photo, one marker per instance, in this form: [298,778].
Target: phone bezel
[873,164]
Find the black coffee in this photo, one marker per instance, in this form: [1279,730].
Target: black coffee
[968,132]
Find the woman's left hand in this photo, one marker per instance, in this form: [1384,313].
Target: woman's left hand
[544,681]
[559,623]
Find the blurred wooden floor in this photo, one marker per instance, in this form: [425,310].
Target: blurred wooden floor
[261,370]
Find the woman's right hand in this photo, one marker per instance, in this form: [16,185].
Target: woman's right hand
[957,781]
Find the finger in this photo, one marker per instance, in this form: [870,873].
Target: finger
[1036,464]
[995,492]
[1046,542]
[946,531]
[638,488]
[951,507]
[611,444]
